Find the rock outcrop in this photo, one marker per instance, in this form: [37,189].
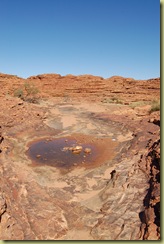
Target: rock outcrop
[116,197]
[150,217]
[86,87]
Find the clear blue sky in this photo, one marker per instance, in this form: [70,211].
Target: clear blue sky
[99,37]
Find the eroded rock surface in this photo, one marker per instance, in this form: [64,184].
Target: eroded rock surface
[116,197]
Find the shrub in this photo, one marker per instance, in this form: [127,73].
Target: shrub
[27,93]
[112,100]
[138,104]
[116,100]
[19,93]
[155,106]
[30,89]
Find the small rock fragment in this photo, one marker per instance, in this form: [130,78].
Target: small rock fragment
[77,149]
[70,148]
[65,149]
[151,120]
[3,205]
[87,150]
[20,103]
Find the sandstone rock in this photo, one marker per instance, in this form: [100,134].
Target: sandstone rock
[1,139]
[155,121]
[40,202]
[77,149]
[70,148]
[87,150]
[152,232]
[151,120]
[66,149]
[3,204]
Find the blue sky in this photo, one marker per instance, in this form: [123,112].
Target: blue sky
[98,37]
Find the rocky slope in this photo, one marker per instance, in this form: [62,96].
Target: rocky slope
[117,197]
[97,88]
[93,88]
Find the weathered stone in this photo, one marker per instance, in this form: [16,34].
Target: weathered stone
[87,150]
[88,201]
[77,149]
[3,204]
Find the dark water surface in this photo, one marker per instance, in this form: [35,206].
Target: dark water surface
[51,152]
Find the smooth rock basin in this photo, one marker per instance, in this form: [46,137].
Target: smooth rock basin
[71,151]
[60,195]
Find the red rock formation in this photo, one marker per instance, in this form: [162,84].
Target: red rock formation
[150,217]
[39,203]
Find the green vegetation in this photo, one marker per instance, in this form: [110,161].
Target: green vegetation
[155,106]
[116,100]
[112,100]
[138,104]
[28,92]
[18,93]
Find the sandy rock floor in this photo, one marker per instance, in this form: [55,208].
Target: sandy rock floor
[113,193]
[104,199]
